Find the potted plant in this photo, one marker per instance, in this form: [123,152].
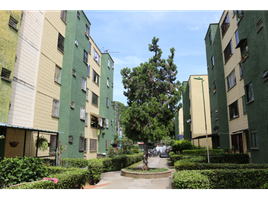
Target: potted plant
[41,143]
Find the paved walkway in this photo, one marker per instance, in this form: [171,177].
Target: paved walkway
[114,180]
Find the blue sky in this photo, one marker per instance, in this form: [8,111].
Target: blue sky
[130,32]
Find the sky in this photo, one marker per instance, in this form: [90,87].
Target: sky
[129,32]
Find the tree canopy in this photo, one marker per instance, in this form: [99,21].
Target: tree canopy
[152,96]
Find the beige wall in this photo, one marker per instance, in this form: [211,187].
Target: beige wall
[50,56]
[181,128]
[237,91]
[92,133]
[197,109]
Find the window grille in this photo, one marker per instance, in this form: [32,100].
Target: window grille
[93,145]
[85,145]
[55,108]
[70,139]
[13,22]
[5,74]
[57,76]
[81,143]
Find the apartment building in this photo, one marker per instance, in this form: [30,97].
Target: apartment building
[252,44]
[242,60]
[106,109]
[179,130]
[193,111]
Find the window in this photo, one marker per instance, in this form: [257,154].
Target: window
[108,82]
[83,86]
[259,25]
[112,85]
[94,99]
[87,94]
[57,76]
[89,49]
[228,52]
[78,14]
[85,57]
[95,77]
[94,122]
[113,66]
[233,110]
[108,63]
[76,43]
[93,145]
[86,119]
[13,22]
[107,123]
[254,138]
[74,72]
[265,75]
[81,143]
[214,87]
[225,25]
[53,144]
[70,139]
[85,145]
[107,102]
[5,74]
[87,31]
[106,145]
[236,37]
[240,14]
[212,61]
[210,38]
[63,15]
[72,104]
[55,108]
[244,50]
[88,70]
[82,113]
[234,13]
[249,92]
[244,104]
[231,80]
[241,71]
[61,43]
[96,57]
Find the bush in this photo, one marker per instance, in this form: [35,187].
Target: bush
[174,157]
[188,161]
[206,166]
[95,167]
[18,170]
[221,179]
[135,150]
[71,179]
[239,158]
[74,162]
[202,151]
[181,145]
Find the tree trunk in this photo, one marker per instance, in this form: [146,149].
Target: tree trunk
[145,156]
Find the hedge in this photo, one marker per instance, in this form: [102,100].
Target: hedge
[221,179]
[205,166]
[239,158]
[74,162]
[202,151]
[95,167]
[74,178]
[174,157]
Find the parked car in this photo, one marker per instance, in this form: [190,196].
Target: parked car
[164,154]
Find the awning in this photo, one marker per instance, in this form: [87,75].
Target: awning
[204,136]
[240,43]
[97,115]
[242,130]
[27,128]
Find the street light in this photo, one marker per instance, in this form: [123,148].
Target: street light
[204,115]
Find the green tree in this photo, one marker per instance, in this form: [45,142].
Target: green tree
[152,96]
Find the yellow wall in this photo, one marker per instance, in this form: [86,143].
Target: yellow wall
[197,109]
[92,133]
[181,131]
[50,56]
[237,91]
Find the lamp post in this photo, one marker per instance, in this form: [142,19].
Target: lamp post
[204,115]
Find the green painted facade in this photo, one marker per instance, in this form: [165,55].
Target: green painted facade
[186,111]
[8,48]
[106,111]
[253,70]
[69,120]
[218,101]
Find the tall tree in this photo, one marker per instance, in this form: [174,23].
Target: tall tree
[153,97]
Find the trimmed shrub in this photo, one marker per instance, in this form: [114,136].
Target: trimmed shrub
[188,162]
[181,145]
[74,178]
[95,167]
[174,157]
[239,158]
[206,166]
[135,150]
[74,162]
[18,170]
[202,151]
[221,179]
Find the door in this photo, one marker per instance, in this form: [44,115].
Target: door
[237,142]
[2,142]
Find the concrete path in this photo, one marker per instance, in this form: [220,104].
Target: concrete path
[114,180]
